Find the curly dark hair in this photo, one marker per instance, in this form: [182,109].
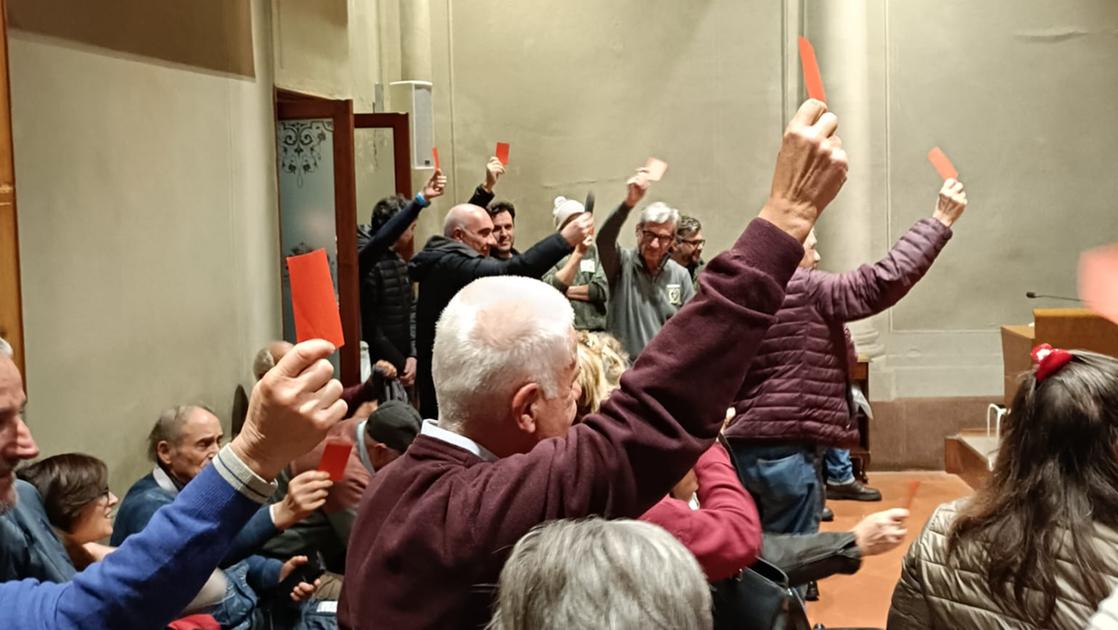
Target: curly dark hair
[385,209]
[67,483]
[1055,478]
[497,207]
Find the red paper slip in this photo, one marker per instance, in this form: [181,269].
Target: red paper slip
[910,496]
[503,152]
[656,169]
[435,156]
[312,299]
[942,165]
[334,459]
[1098,280]
[813,81]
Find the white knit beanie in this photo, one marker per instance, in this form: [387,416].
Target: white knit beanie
[565,209]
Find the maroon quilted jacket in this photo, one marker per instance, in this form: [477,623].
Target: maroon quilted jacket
[797,386]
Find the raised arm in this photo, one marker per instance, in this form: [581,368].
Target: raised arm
[533,263]
[150,579]
[484,194]
[650,431]
[870,289]
[609,254]
[391,231]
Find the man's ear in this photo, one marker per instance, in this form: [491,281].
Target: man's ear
[163,452]
[523,407]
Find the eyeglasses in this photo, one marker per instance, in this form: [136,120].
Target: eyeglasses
[649,236]
[695,242]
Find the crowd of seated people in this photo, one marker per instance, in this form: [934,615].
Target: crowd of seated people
[575,464]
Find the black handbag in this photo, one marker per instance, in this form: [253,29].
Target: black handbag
[758,598]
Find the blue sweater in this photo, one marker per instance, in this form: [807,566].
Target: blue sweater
[155,574]
[145,497]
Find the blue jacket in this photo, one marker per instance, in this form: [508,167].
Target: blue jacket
[145,497]
[155,574]
[28,545]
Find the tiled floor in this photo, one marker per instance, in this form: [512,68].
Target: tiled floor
[862,599]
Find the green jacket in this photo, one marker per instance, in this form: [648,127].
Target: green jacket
[590,315]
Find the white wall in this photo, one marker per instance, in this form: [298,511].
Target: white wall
[148,238]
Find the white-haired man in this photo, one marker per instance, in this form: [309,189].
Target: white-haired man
[459,256]
[150,579]
[434,529]
[646,286]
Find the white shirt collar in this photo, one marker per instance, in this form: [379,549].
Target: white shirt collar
[432,429]
[164,481]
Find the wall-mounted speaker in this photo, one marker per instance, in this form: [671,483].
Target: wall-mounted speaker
[414,97]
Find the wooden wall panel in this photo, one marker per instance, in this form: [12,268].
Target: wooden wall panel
[11,304]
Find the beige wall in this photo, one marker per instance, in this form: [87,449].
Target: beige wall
[586,93]
[1017,94]
[148,238]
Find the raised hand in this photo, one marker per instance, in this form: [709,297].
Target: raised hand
[435,186]
[952,202]
[810,170]
[493,172]
[579,229]
[637,187]
[290,409]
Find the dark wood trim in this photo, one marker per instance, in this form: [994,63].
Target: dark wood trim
[401,144]
[345,218]
[290,96]
[345,221]
[11,301]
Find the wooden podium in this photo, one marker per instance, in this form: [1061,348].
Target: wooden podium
[1067,328]
[970,453]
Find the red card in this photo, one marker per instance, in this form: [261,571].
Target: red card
[656,169]
[910,496]
[435,155]
[334,459]
[1098,280]
[942,165]
[312,299]
[503,152]
[812,79]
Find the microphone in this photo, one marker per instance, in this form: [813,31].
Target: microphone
[1036,296]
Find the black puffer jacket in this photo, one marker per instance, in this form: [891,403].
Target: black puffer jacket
[388,309]
[442,269]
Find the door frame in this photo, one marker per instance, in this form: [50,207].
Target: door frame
[293,105]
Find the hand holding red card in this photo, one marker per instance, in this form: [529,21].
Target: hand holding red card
[942,164]
[312,299]
[813,81]
[334,458]
[503,153]
[656,169]
[1098,280]
[435,157]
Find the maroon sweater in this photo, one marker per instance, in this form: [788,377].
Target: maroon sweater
[435,528]
[798,386]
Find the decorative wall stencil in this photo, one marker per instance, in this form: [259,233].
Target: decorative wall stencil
[300,144]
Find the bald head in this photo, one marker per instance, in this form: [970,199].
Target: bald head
[471,225]
[268,357]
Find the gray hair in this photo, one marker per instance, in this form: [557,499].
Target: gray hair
[6,348]
[497,334]
[659,212]
[168,428]
[601,574]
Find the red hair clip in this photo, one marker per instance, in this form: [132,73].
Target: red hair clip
[1049,360]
